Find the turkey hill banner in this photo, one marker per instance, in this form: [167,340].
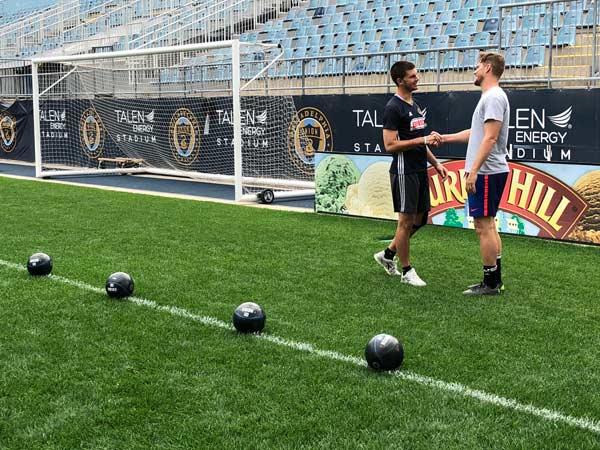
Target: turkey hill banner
[545,200]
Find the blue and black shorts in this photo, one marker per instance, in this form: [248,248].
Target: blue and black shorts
[488,192]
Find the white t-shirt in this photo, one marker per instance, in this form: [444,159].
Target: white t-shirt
[493,105]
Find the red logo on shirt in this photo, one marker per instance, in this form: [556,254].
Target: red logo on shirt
[418,123]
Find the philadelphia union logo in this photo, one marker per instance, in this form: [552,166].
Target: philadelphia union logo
[91,133]
[8,132]
[184,136]
[309,133]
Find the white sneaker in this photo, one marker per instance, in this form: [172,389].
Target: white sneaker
[388,264]
[413,279]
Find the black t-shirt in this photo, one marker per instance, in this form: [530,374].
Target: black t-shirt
[409,121]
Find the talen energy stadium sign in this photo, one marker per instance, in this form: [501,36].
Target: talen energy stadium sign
[546,200]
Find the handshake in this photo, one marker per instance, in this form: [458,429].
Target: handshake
[434,139]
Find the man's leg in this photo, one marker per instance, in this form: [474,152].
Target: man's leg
[401,242]
[499,260]
[485,228]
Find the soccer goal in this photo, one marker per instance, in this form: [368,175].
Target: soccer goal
[201,110]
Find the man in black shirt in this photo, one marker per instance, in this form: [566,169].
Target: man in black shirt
[405,136]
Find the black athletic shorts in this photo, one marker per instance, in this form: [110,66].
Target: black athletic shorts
[410,192]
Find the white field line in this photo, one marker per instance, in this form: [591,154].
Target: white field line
[456,388]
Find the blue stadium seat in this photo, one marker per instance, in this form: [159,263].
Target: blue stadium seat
[326,29]
[387,35]
[390,46]
[340,50]
[406,45]
[566,36]
[470,4]
[470,27]
[434,30]
[354,26]
[368,24]
[408,9]
[313,52]
[510,23]
[396,21]
[455,5]
[380,23]
[314,40]
[339,28]
[327,39]
[339,39]
[450,60]
[452,29]
[355,37]
[530,22]
[441,42]
[423,44]
[462,40]
[490,25]
[463,14]
[480,13]
[439,6]
[418,31]
[513,56]
[521,38]
[446,16]
[535,56]
[300,52]
[414,20]
[481,39]
[470,58]
[359,49]
[369,35]
[430,61]
[301,42]
[365,14]
[374,47]
[430,18]
[352,16]
[573,18]
[403,32]
[542,37]
[421,8]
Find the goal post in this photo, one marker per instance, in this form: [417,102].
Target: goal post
[201,111]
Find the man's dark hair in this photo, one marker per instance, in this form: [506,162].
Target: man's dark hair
[399,69]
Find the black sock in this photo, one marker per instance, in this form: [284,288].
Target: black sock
[406,269]
[489,276]
[389,253]
[499,269]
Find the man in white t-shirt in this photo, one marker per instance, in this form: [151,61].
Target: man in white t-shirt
[486,168]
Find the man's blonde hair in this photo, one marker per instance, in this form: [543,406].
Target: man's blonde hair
[495,60]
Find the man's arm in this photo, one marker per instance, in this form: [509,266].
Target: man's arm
[436,164]
[393,145]
[461,137]
[491,132]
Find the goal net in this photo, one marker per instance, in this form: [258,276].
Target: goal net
[202,111]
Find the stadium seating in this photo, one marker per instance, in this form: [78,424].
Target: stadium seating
[321,28]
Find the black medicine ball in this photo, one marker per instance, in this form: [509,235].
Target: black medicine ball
[249,318]
[39,264]
[384,352]
[119,285]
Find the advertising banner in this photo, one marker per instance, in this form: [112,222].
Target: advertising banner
[540,199]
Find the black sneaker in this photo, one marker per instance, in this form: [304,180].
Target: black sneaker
[482,289]
[500,286]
